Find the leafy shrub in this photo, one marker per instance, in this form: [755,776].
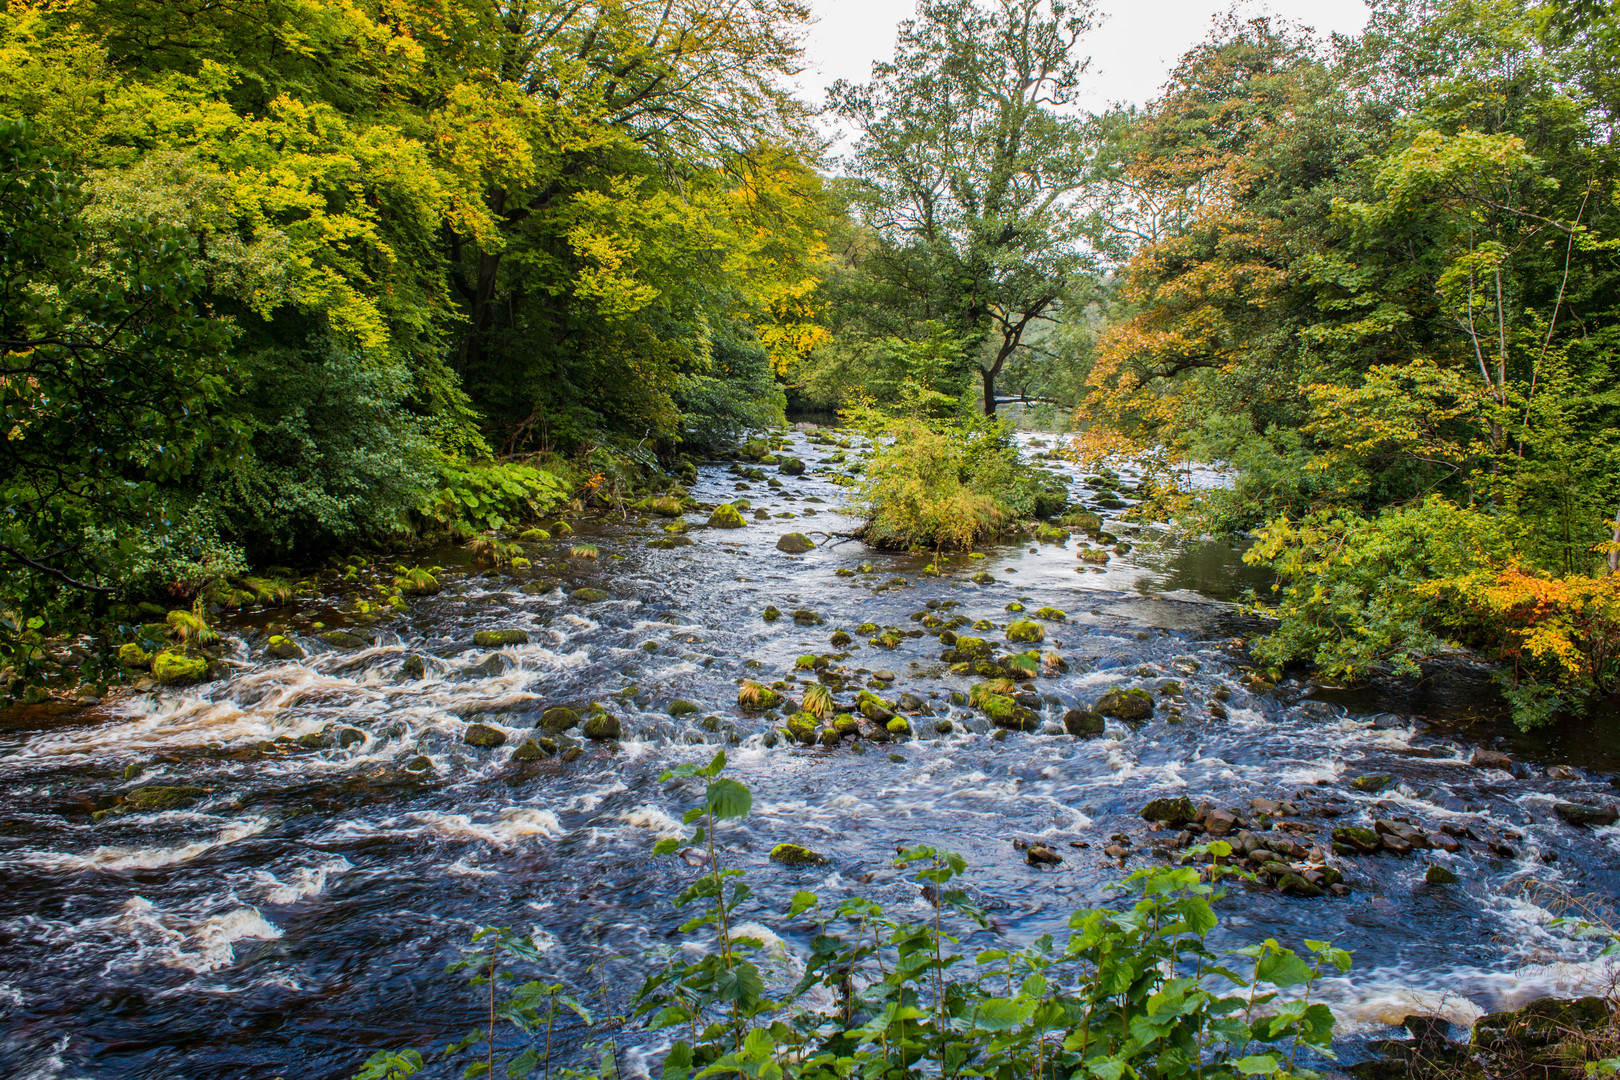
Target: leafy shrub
[492,495]
[1135,991]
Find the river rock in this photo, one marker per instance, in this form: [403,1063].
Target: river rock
[1490,759]
[155,797]
[791,467]
[681,707]
[343,639]
[557,719]
[1219,822]
[532,750]
[283,648]
[1176,811]
[1578,814]
[484,736]
[1026,630]
[1291,884]
[662,505]
[1527,1034]
[1372,783]
[795,543]
[1083,723]
[726,516]
[796,855]
[1041,855]
[495,639]
[588,595]
[412,667]
[1435,874]
[602,726]
[1129,705]
[174,668]
[1357,839]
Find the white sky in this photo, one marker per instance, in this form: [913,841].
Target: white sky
[1132,51]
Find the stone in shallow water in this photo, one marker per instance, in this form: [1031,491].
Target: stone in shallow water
[795,543]
[482,735]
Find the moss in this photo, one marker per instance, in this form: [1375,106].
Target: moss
[131,655]
[1025,631]
[495,639]
[172,668]
[602,726]
[283,648]
[899,727]
[726,516]
[795,855]
[791,466]
[681,707]
[795,543]
[840,639]
[662,505]
[1051,614]
[757,698]
[534,536]
[801,727]
[1024,665]
[1357,838]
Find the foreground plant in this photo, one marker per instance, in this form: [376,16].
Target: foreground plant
[1135,992]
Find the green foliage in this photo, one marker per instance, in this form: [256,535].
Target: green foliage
[1137,990]
[492,495]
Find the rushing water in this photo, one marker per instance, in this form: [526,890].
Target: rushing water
[302,911]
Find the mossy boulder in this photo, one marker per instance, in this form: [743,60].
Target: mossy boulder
[1176,811]
[602,726]
[283,647]
[1026,630]
[1372,783]
[413,667]
[173,668]
[534,536]
[557,719]
[662,505]
[1435,874]
[1357,838]
[899,727]
[681,707]
[131,655]
[968,648]
[1129,705]
[496,639]
[344,639]
[791,466]
[155,797]
[797,855]
[484,736]
[726,516]
[874,708]
[1083,723]
[1051,614]
[795,543]
[801,728]
[1527,1034]
[756,697]
[531,750]
[588,595]
[1006,713]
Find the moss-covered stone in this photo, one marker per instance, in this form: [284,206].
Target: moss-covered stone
[283,648]
[530,750]
[1026,630]
[1435,874]
[156,797]
[726,516]
[681,707]
[662,505]
[557,719]
[791,467]
[534,536]
[795,543]
[1051,614]
[588,595]
[484,736]
[131,655]
[756,697]
[413,667]
[1129,705]
[1083,723]
[496,639]
[1357,838]
[602,726]
[344,639]
[1176,811]
[899,727]
[1372,783]
[796,855]
[174,668]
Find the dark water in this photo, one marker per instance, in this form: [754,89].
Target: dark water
[301,913]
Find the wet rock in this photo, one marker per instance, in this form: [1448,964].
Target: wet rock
[1082,722]
[1129,705]
[1537,1032]
[795,855]
[317,740]
[484,736]
[806,617]
[1580,815]
[173,668]
[755,697]
[795,543]
[557,719]
[898,727]
[726,516]
[588,595]
[912,703]
[1041,855]
[1051,614]
[602,726]
[283,648]
[1026,631]
[349,737]
[131,655]
[1219,822]
[419,764]
[1372,783]
[1296,885]
[1490,759]
[156,797]
[681,707]
[1394,844]
[413,667]
[531,750]
[662,505]
[491,666]
[1436,874]
[771,613]
[1176,811]
[343,639]
[573,753]
[1444,842]
[1358,839]
[791,467]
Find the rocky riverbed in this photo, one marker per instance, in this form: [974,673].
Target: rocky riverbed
[265,873]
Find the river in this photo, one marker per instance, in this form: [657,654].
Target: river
[300,912]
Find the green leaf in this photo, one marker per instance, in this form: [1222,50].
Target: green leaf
[1256,1065]
[1003,1014]
[729,799]
[802,902]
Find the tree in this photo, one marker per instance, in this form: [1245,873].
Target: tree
[968,163]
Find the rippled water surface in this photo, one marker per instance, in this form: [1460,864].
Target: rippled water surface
[301,911]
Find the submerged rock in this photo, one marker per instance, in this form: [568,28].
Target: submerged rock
[1083,723]
[1176,811]
[531,750]
[1129,705]
[343,639]
[1590,816]
[558,718]
[602,726]
[588,595]
[155,797]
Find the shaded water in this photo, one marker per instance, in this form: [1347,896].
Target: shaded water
[301,912]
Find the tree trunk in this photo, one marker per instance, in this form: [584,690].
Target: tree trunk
[988,375]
